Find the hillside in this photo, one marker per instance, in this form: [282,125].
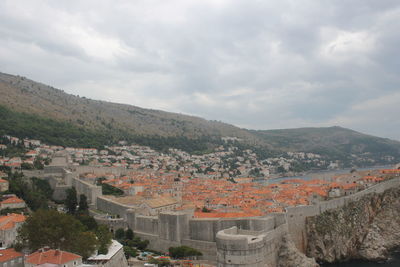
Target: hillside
[24,95]
[334,141]
[29,108]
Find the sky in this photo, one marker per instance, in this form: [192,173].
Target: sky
[255,64]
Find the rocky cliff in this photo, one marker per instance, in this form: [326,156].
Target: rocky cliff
[367,229]
[290,256]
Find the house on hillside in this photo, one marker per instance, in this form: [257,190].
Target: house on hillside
[12,202]
[53,258]
[9,225]
[11,258]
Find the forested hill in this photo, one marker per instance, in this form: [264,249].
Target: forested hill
[24,95]
[333,141]
[32,109]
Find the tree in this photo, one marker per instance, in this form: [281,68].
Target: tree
[27,166]
[111,190]
[37,163]
[36,194]
[183,252]
[88,221]
[83,205]
[71,201]
[142,245]
[104,237]
[58,231]
[119,234]
[160,262]
[130,252]
[129,234]
[43,186]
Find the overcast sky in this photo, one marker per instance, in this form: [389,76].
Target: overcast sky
[255,64]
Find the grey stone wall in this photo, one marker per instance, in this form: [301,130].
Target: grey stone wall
[92,192]
[112,207]
[147,224]
[296,216]
[100,170]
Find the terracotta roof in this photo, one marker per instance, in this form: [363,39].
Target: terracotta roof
[51,256]
[8,221]
[12,200]
[9,254]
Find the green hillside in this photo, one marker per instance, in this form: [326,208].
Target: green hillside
[32,109]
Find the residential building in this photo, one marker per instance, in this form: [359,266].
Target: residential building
[9,225]
[54,258]
[12,202]
[11,258]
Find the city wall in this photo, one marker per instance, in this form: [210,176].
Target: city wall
[238,247]
[232,242]
[296,216]
[92,192]
[100,170]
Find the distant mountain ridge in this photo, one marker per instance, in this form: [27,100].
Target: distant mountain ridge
[23,96]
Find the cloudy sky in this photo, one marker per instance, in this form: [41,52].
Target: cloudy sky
[255,64]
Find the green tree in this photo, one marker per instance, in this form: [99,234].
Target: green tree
[36,193]
[37,163]
[160,262]
[119,234]
[56,230]
[142,245]
[43,186]
[83,205]
[130,252]
[129,234]
[27,166]
[104,237]
[71,200]
[183,252]
[111,190]
[88,221]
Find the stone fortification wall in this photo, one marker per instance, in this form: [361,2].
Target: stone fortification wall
[179,228]
[237,247]
[100,170]
[112,207]
[34,173]
[147,224]
[112,223]
[296,216]
[209,249]
[58,178]
[207,229]
[92,192]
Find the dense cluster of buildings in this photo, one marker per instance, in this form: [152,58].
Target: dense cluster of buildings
[168,196]
[239,197]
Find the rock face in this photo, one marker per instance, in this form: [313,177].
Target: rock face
[367,229]
[290,256]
